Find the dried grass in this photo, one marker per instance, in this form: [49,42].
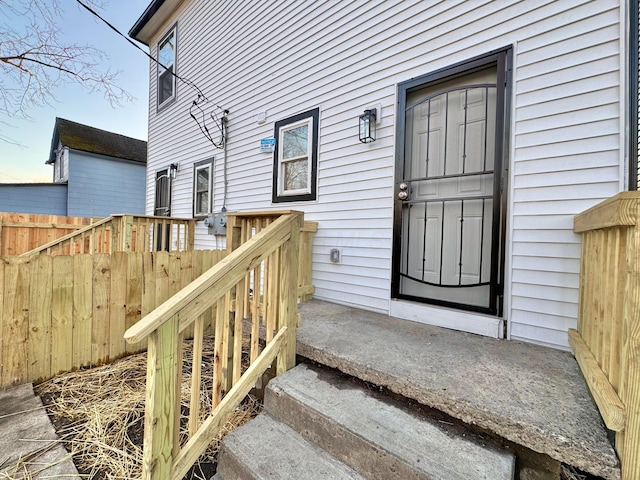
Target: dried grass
[99,414]
[570,473]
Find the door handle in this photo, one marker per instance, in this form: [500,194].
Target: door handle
[403,194]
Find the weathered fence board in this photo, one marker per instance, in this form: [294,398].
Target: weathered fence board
[21,232]
[65,312]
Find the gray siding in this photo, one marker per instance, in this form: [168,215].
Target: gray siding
[99,187]
[46,199]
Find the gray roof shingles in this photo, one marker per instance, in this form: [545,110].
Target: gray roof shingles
[81,137]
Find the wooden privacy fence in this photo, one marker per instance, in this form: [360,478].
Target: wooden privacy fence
[256,282]
[124,233]
[21,232]
[607,341]
[65,312]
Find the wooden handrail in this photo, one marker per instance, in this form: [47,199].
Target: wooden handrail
[617,211]
[215,282]
[263,255]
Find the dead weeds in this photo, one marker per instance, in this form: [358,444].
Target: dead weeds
[99,415]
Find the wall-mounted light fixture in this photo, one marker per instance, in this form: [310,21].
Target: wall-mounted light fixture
[173,168]
[368,126]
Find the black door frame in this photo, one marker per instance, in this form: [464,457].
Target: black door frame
[502,58]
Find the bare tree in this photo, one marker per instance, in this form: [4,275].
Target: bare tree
[35,60]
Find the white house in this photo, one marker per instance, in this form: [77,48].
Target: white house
[495,122]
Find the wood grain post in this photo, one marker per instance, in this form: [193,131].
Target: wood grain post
[115,242]
[630,457]
[288,299]
[305,263]
[161,402]
[234,241]
[191,235]
[127,233]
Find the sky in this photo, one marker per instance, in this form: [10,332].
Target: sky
[26,163]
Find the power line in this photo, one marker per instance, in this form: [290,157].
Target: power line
[106,22]
[201,97]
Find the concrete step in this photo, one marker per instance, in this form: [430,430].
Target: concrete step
[265,449]
[376,435]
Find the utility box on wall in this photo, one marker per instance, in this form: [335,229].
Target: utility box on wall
[217,223]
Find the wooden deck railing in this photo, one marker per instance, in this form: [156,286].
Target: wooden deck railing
[124,233]
[607,341]
[243,225]
[256,281]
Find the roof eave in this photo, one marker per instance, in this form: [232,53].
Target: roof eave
[156,14]
[55,139]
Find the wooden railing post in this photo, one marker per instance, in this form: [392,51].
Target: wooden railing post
[190,239]
[115,241]
[288,300]
[305,284]
[630,447]
[127,233]
[234,241]
[161,405]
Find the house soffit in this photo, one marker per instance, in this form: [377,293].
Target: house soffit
[153,19]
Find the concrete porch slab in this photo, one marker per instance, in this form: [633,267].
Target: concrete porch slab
[531,395]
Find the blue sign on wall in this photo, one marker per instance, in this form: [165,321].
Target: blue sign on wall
[267,145]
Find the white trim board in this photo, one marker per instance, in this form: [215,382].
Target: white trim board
[486,325]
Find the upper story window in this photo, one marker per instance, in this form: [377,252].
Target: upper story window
[61,165]
[167,68]
[296,158]
[202,188]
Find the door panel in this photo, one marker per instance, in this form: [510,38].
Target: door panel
[449,233]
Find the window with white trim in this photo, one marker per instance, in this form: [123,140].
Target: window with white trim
[296,158]
[203,188]
[167,68]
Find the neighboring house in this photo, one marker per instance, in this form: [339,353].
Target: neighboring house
[41,198]
[95,173]
[496,122]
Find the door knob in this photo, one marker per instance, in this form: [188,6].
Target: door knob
[403,195]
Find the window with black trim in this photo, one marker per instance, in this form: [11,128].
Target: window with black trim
[203,188]
[167,68]
[295,160]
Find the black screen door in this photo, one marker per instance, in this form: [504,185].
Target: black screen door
[449,196]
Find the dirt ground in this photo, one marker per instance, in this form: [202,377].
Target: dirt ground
[99,415]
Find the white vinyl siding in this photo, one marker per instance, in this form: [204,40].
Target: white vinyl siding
[565,147]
